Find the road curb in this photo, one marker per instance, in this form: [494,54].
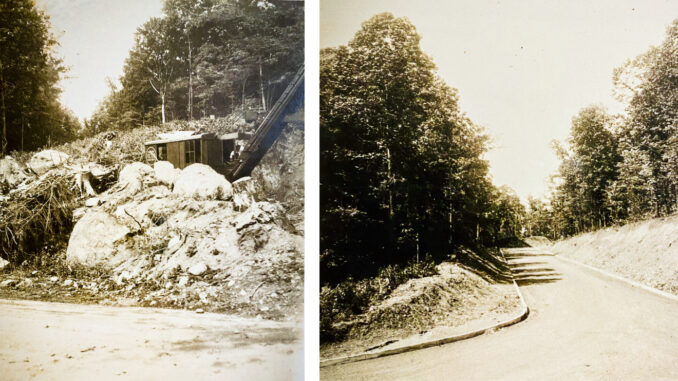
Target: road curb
[451,339]
[620,278]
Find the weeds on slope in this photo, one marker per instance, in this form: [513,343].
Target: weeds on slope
[350,297]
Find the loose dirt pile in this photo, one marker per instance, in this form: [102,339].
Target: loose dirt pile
[642,251]
[452,298]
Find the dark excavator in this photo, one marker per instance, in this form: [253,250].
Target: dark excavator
[290,101]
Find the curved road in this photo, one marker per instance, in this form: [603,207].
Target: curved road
[582,325]
[57,341]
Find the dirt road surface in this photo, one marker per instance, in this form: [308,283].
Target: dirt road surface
[56,341]
[582,325]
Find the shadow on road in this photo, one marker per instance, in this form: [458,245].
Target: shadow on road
[526,270]
[486,264]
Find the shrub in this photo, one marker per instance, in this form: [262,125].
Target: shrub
[354,297]
[37,218]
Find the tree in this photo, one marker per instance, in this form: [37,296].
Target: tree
[31,114]
[539,218]
[185,16]
[199,58]
[586,173]
[401,170]
[649,133]
[155,51]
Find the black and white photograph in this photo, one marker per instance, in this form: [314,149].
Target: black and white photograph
[486,190]
[498,190]
[152,189]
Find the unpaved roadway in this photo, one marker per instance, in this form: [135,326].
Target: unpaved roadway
[56,341]
[582,325]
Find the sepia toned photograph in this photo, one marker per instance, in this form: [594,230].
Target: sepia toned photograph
[152,189]
[498,190]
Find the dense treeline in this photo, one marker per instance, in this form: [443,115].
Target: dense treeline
[205,57]
[31,114]
[624,167]
[401,168]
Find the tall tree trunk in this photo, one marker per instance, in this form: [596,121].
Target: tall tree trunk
[417,247]
[190,81]
[449,214]
[244,82]
[162,97]
[4,121]
[3,144]
[261,86]
[390,191]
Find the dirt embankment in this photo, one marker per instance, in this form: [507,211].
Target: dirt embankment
[455,300]
[645,251]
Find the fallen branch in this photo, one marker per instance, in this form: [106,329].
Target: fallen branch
[135,220]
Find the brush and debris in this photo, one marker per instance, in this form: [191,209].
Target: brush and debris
[89,222]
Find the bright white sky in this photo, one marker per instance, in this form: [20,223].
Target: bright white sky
[523,68]
[95,38]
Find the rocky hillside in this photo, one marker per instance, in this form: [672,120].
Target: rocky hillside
[121,231]
[280,174]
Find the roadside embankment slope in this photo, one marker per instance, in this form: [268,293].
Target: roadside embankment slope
[457,300]
[645,251]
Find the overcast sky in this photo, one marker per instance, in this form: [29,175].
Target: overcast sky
[95,37]
[522,68]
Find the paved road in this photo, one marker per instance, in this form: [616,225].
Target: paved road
[55,341]
[582,325]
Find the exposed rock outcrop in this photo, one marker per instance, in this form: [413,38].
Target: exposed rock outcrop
[98,238]
[201,182]
[41,162]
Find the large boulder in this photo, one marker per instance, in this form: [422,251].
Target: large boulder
[165,172]
[98,238]
[132,176]
[41,162]
[12,172]
[203,183]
